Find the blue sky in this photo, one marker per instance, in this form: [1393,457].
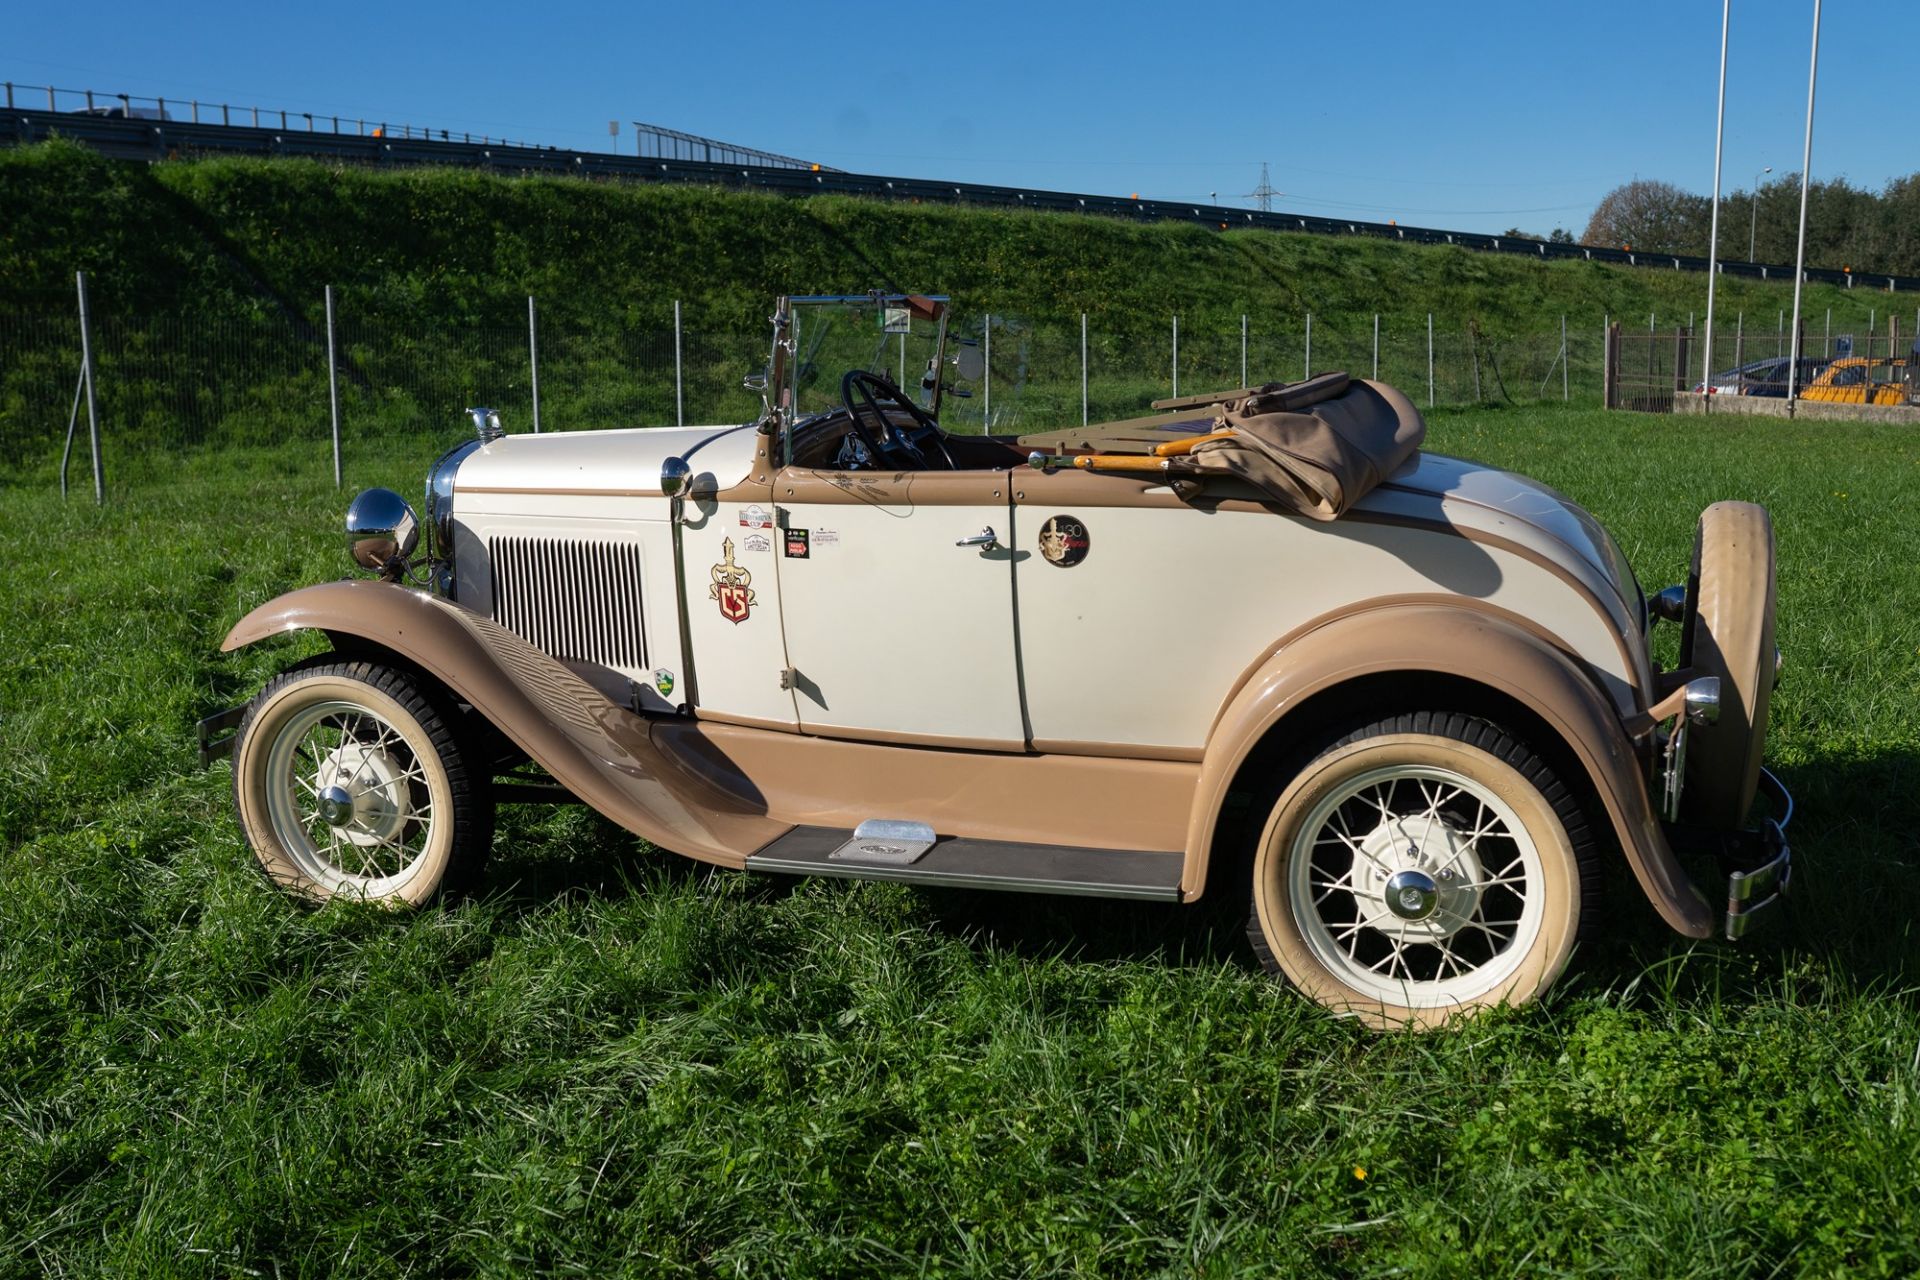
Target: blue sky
[1469,117]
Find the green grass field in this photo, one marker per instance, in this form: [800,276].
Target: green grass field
[616,1062]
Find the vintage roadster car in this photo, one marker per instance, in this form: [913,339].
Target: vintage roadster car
[1256,642]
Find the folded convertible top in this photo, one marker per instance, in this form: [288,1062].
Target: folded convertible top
[1314,447]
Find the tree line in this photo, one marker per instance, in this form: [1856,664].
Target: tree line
[1847,226]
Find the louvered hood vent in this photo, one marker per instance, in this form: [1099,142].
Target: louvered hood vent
[571,599]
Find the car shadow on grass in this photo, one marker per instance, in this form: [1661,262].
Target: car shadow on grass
[1210,933]
[1843,925]
[1854,859]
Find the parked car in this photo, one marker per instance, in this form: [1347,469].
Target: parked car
[1765,377]
[1255,643]
[1860,380]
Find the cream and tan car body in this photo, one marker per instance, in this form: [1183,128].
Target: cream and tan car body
[805,649]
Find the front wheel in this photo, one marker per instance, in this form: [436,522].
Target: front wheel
[1419,867]
[351,782]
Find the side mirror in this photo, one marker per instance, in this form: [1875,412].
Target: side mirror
[674,476]
[969,362]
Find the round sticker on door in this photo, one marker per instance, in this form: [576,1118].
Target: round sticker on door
[1063,541]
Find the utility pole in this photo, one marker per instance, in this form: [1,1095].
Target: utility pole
[1262,195]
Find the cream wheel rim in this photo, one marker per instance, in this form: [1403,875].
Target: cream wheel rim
[351,798]
[1416,886]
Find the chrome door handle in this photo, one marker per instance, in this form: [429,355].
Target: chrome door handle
[985,538]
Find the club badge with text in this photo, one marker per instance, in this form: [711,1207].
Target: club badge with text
[1063,541]
[732,586]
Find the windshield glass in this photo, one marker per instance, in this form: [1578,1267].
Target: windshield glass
[888,334]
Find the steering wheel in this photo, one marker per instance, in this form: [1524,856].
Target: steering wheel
[867,397]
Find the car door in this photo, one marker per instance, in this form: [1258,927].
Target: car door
[896,593]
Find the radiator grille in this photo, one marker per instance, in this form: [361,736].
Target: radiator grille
[572,599]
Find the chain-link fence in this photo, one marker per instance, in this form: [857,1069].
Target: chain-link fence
[1843,365]
[168,389]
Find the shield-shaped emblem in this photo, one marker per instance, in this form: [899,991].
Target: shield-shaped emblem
[732,586]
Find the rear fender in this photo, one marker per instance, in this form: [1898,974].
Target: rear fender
[600,751]
[1489,649]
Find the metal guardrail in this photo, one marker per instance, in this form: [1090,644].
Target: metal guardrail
[146,139]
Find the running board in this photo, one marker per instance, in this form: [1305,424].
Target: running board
[984,864]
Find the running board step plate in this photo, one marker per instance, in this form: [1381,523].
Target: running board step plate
[983,864]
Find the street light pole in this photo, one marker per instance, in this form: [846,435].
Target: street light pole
[1713,235]
[1806,174]
[1753,223]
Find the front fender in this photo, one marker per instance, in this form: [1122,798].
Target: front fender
[600,751]
[1489,648]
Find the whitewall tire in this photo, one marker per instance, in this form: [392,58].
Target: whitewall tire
[1420,867]
[351,782]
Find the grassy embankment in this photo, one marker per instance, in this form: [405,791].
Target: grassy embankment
[208,277]
[613,1061]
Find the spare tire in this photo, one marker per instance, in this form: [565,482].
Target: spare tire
[1728,632]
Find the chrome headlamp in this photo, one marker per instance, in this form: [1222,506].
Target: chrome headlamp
[382,532]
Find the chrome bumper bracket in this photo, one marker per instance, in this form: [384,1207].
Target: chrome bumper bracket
[1753,895]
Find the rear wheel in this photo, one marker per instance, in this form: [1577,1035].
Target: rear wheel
[350,782]
[1418,867]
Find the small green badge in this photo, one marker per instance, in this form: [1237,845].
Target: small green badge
[663,681]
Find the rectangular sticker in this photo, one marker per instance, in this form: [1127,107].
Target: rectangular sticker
[797,544]
[755,517]
[757,542]
[826,537]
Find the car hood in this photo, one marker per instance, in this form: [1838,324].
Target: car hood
[1502,503]
[624,461]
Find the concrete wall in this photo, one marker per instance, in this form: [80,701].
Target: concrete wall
[1694,402]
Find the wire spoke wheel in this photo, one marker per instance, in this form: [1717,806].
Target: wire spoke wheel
[350,783]
[350,798]
[1416,878]
[1419,867]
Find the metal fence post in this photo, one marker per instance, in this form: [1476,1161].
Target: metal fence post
[1429,359]
[1176,355]
[1606,328]
[1566,392]
[1243,349]
[93,408]
[533,361]
[986,373]
[333,387]
[1309,366]
[1083,368]
[1826,342]
[1376,346]
[679,400]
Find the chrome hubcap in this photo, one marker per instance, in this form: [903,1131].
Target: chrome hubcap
[336,806]
[1412,895]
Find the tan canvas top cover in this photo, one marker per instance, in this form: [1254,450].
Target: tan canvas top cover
[1314,447]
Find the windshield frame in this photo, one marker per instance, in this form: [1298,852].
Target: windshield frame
[784,367]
